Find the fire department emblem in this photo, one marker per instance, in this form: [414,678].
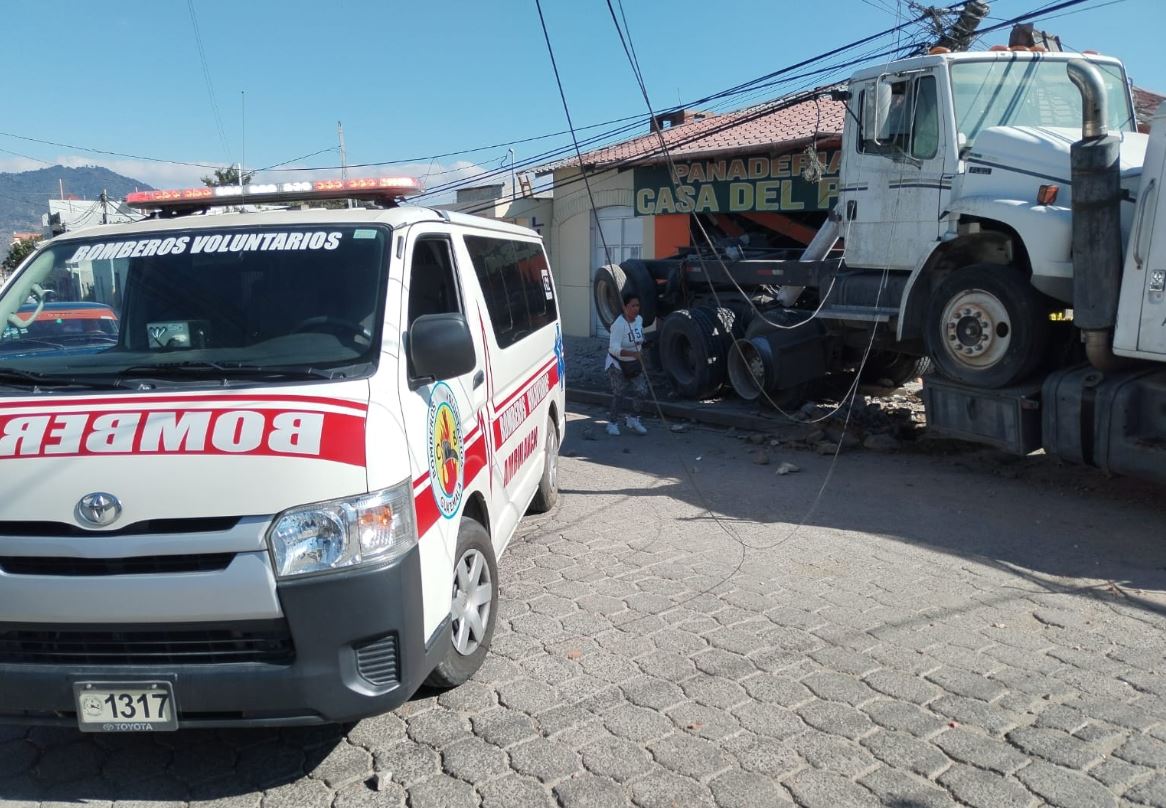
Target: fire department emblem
[446,453]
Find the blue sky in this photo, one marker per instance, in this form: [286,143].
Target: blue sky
[411,80]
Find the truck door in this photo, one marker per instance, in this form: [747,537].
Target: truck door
[442,417]
[895,183]
[1147,256]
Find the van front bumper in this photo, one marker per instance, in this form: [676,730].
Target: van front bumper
[357,648]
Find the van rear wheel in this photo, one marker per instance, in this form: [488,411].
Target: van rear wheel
[548,485]
[473,607]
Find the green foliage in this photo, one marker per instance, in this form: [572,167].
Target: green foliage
[19,251]
[227,176]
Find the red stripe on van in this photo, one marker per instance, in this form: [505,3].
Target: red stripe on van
[513,416]
[229,402]
[552,362]
[424,503]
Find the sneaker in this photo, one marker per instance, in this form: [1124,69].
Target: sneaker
[633,423]
[613,429]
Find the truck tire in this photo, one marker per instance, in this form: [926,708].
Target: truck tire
[751,378]
[986,326]
[612,280]
[692,353]
[641,280]
[728,325]
[475,568]
[893,367]
[608,288]
[548,485]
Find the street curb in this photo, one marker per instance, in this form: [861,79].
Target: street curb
[711,414]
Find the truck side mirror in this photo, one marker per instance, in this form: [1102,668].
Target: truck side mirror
[441,346]
[876,108]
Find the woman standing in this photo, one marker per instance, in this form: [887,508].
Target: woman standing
[624,365]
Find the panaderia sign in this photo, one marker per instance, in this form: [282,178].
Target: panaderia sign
[738,185]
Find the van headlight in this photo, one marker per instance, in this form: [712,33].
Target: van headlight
[368,529]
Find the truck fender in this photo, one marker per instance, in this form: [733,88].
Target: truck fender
[987,230]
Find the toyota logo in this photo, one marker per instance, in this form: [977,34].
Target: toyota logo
[99,509]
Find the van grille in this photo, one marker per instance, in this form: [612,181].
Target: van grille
[267,641]
[376,660]
[216,524]
[139,565]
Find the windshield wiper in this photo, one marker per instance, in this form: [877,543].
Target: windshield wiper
[14,376]
[226,370]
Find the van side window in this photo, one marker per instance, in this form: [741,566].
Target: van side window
[515,281]
[432,283]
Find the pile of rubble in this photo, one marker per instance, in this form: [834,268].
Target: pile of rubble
[879,420]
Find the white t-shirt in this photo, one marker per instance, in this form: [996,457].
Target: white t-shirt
[625,336]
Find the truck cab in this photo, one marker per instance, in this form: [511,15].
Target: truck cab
[956,161]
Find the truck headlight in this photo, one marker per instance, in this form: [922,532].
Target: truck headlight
[371,528]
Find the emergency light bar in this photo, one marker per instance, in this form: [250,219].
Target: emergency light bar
[387,189]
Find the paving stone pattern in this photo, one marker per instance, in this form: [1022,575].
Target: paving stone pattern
[641,659]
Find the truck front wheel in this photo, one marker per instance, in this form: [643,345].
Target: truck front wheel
[986,326]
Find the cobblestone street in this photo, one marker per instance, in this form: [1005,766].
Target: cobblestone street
[936,634]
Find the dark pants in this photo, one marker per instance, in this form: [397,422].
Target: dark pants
[621,388]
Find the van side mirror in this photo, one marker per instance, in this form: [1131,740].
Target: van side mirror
[441,346]
[876,108]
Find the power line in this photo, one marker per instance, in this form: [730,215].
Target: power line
[571,126]
[295,160]
[766,109]
[739,89]
[206,74]
[770,80]
[27,157]
[748,116]
[106,152]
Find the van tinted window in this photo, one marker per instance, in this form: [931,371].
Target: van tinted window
[516,283]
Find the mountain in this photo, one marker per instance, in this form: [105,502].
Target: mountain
[24,196]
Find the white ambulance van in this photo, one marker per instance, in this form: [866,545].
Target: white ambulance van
[272,490]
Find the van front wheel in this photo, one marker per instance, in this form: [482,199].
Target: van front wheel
[473,608]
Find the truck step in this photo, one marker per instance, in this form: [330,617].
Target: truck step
[865,314]
[1008,419]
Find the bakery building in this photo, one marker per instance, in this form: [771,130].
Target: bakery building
[769,172]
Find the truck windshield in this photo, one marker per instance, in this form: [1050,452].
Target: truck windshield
[228,303]
[1029,93]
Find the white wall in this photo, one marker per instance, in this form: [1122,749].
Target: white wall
[569,239]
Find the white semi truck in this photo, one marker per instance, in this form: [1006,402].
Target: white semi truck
[998,212]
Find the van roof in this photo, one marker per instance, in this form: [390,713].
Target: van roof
[401,216]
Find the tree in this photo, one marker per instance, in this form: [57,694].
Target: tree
[227,176]
[18,252]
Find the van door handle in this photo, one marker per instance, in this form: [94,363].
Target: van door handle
[479,377]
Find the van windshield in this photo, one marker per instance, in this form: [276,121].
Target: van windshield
[183,306]
[1032,92]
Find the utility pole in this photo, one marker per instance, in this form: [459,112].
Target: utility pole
[104,206]
[242,142]
[961,33]
[343,157]
[61,185]
[513,190]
